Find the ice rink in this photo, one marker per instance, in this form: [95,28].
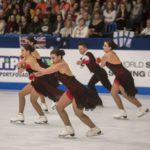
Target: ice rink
[130,134]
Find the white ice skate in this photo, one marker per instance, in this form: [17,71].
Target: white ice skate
[44,107]
[53,105]
[41,120]
[142,111]
[18,119]
[93,132]
[121,115]
[67,131]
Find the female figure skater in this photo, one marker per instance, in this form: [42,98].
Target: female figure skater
[99,74]
[123,82]
[46,85]
[23,93]
[30,40]
[77,94]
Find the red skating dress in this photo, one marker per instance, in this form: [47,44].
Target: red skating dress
[47,84]
[84,97]
[123,77]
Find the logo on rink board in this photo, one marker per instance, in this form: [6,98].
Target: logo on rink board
[9,62]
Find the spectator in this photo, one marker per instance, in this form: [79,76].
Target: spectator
[1,7]
[23,26]
[146,11]
[81,30]
[46,27]
[27,14]
[12,26]
[71,15]
[58,25]
[34,26]
[30,3]
[2,26]
[64,7]
[136,14]
[67,30]
[51,15]
[96,7]
[41,5]
[75,8]
[7,10]
[86,16]
[39,13]
[19,9]
[146,30]
[79,15]
[109,17]
[122,17]
[16,15]
[109,13]
[96,27]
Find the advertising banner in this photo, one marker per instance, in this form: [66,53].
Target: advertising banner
[137,62]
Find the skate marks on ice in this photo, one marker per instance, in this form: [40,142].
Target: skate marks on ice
[132,133]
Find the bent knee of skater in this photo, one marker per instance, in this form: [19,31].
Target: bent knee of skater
[21,94]
[79,114]
[113,93]
[33,101]
[59,108]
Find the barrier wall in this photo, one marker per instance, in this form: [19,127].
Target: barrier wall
[137,61]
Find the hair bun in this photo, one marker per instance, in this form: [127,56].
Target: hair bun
[31,39]
[28,47]
[58,52]
[62,52]
[112,44]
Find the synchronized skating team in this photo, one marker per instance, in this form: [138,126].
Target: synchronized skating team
[45,81]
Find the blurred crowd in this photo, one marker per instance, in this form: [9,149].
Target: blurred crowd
[74,18]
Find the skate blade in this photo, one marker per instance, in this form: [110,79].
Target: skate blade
[46,110]
[67,136]
[146,112]
[96,134]
[17,122]
[53,108]
[45,122]
[121,118]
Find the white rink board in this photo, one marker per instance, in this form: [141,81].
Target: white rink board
[137,62]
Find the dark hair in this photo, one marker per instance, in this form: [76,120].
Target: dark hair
[83,44]
[112,44]
[58,52]
[31,39]
[28,47]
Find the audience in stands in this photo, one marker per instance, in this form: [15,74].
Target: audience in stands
[49,16]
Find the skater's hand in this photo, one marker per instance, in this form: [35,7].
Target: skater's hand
[37,74]
[18,65]
[84,61]
[26,66]
[98,60]
[32,76]
[21,70]
[79,62]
